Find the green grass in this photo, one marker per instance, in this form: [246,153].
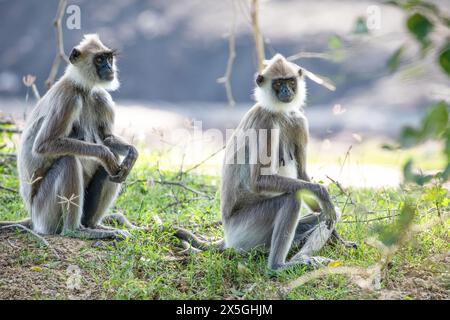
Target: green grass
[145,266]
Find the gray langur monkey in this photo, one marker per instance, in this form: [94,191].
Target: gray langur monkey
[68,158]
[261,196]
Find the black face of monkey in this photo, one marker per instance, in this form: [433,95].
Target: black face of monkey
[104,65]
[285,89]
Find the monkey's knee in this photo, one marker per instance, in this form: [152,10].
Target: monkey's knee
[70,175]
[99,196]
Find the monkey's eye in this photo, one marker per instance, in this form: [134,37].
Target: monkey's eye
[292,83]
[277,84]
[98,60]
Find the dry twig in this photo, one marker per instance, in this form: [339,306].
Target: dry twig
[34,234]
[226,79]
[8,189]
[259,41]
[60,54]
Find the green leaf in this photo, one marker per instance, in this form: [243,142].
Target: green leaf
[420,27]
[447,145]
[418,178]
[444,59]
[394,60]
[436,121]
[390,147]
[334,42]
[392,3]
[410,137]
[392,234]
[446,173]
[361,26]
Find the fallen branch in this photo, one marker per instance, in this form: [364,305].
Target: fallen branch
[8,189]
[38,237]
[370,220]
[170,183]
[370,277]
[355,273]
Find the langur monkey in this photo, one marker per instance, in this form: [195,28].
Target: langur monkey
[261,196]
[68,159]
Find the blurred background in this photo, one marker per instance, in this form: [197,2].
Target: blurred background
[172,54]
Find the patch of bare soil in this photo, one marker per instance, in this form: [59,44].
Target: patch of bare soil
[30,270]
[430,281]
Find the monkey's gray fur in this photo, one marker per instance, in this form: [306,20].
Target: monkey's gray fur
[263,210]
[68,158]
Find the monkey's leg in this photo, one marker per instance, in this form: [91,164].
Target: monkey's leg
[57,205]
[252,227]
[61,181]
[285,223]
[313,231]
[307,225]
[100,195]
[270,223]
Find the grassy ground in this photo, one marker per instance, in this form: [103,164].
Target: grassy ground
[149,265]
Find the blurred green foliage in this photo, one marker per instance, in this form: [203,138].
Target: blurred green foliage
[422,19]
[392,234]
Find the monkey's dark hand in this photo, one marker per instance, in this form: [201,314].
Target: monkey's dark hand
[110,162]
[321,192]
[318,190]
[126,166]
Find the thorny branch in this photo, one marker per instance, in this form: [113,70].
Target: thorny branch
[60,54]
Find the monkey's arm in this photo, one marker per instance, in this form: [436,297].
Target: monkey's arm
[277,183]
[131,154]
[52,140]
[300,157]
[274,182]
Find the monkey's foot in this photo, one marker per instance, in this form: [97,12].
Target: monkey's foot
[311,262]
[88,233]
[349,244]
[119,219]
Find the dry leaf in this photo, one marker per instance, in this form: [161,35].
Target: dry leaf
[335,264]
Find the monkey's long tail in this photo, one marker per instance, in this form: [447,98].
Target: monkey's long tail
[25,222]
[196,242]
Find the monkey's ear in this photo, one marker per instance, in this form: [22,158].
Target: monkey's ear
[259,80]
[300,72]
[74,55]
